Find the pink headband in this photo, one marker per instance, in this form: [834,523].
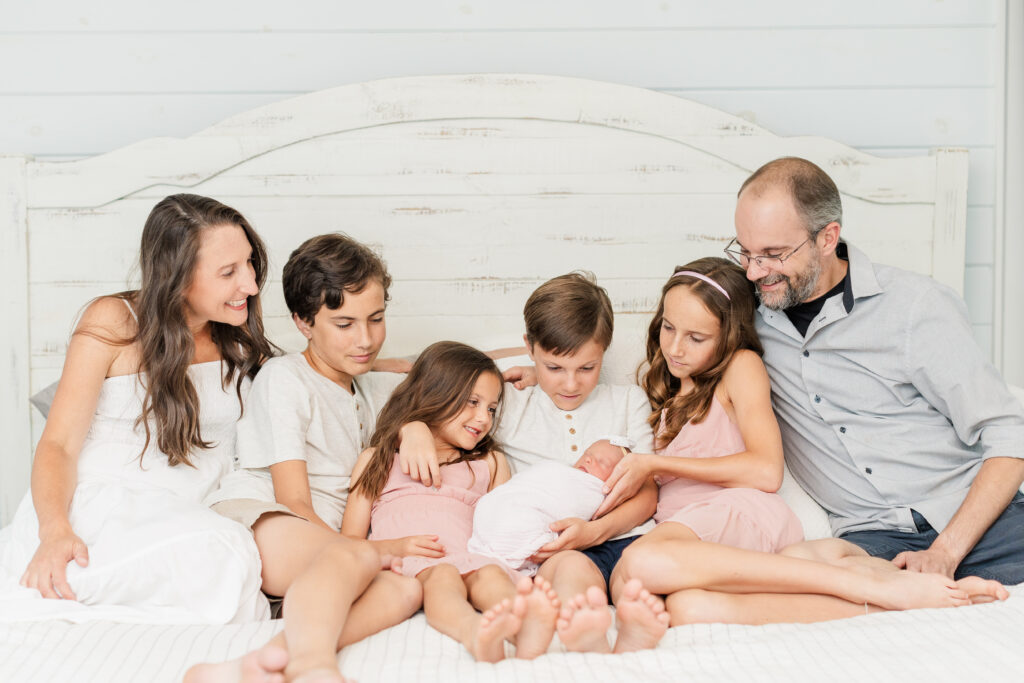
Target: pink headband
[704,278]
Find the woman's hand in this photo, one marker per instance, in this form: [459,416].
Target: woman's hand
[521,376]
[625,480]
[573,534]
[423,546]
[47,571]
[417,454]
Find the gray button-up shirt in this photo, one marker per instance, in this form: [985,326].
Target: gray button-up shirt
[887,404]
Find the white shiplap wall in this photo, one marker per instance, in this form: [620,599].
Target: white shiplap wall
[891,78]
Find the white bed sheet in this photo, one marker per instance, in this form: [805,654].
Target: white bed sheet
[980,643]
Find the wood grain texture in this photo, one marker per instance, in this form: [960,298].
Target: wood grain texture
[474,189]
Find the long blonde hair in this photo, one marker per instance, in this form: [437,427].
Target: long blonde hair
[735,316]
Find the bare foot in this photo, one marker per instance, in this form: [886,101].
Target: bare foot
[487,643]
[583,622]
[265,665]
[320,676]
[642,619]
[539,623]
[911,590]
[981,590]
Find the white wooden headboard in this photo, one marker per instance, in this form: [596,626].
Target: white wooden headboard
[474,189]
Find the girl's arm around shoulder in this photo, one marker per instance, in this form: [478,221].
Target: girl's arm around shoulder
[747,396]
[497,463]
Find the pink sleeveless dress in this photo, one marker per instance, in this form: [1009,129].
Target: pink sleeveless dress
[739,517]
[408,508]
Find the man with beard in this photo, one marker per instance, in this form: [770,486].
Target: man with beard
[891,417]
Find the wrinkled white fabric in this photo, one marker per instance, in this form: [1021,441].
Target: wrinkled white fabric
[156,552]
[512,521]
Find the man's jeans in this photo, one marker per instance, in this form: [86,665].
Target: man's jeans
[998,555]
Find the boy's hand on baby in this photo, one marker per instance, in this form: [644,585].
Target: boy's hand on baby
[573,534]
[417,454]
[521,376]
[424,546]
[47,571]
[625,480]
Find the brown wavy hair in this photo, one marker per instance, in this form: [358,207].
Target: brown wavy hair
[435,391]
[736,331]
[167,259]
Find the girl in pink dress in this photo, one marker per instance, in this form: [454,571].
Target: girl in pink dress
[455,390]
[721,526]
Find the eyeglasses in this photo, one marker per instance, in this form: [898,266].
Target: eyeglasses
[773,261]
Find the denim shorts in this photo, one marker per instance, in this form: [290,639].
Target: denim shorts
[998,555]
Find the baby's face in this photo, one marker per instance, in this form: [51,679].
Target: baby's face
[600,459]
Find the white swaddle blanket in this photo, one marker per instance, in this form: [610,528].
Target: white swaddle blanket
[511,522]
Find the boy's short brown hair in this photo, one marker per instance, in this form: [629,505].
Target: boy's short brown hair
[566,312]
[323,268]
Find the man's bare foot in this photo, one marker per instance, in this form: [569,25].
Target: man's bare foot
[641,617]
[981,590]
[539,623]
[911,590]
[487,642]
[583,622]
[265,665]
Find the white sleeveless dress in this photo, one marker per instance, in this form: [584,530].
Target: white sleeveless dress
[156,553]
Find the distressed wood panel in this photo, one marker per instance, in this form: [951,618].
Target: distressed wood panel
[352,109]
[484,236]
[468,15]
[665,59]
[981,186]
[474,189]
[14,340]
[928,117]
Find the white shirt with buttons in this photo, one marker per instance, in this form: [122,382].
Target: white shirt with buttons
[532,429]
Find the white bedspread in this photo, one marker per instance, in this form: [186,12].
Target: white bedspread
[981,643]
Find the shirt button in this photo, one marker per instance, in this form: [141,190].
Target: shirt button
[817,399]
[868,470]
[572,447]
[572,430]
[842,430]
[806,353]
[568,417]
[357,406]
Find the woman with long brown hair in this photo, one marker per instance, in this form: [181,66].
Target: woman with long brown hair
[141,429]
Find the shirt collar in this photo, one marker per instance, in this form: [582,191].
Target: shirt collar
[860,281]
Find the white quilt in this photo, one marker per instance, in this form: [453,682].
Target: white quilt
[980,643]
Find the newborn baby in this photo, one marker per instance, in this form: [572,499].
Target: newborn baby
[512,521]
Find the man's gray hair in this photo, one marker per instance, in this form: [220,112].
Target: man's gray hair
[814,194]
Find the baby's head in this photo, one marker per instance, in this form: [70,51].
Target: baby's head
[601,457]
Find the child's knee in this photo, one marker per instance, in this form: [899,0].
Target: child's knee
[693,606]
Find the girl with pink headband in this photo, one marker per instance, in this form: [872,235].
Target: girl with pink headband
[718,461]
